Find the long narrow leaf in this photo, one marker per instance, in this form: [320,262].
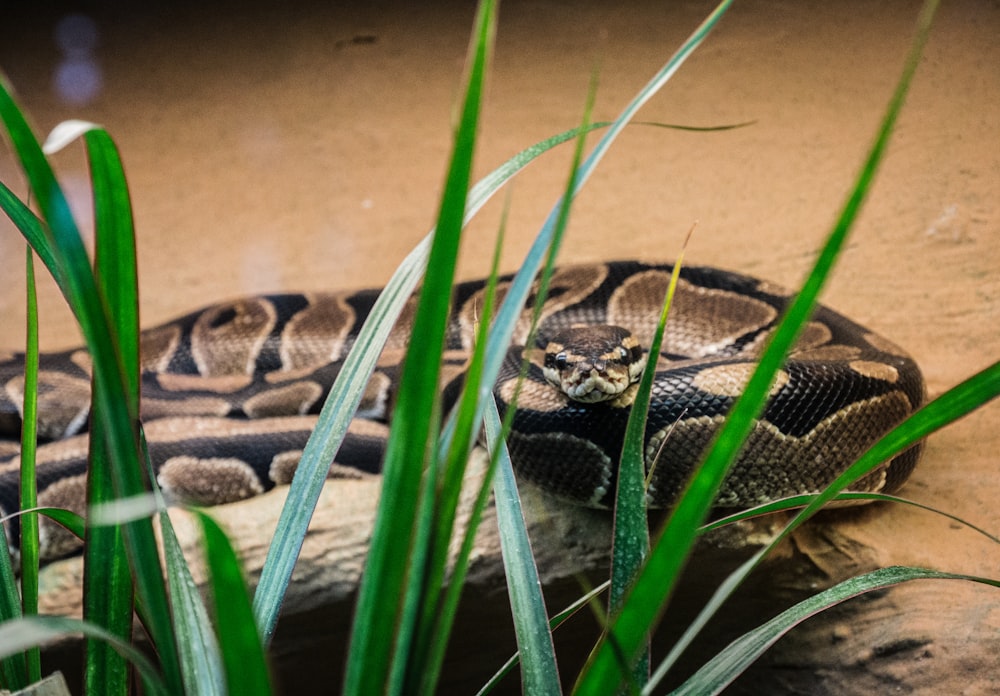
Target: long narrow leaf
[722,669]
[13,668]
[440,600]
[382,626]
[242,650]
[950,406]
[346,393]
[539,674]
[107,583]
[649,596]
[20,634]
[631,530]
[29,490]
[62,245]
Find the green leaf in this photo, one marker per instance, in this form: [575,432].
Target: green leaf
[29,492]
[384,631]
[19,634]
[539,674]
[345,395]
[651,592]
[59,245]
[239,640]
[722,669]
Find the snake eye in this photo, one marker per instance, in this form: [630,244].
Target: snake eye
[622,353]
[560,361]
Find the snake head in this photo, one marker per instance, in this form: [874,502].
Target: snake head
[593,363]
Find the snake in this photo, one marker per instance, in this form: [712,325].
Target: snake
[230,393]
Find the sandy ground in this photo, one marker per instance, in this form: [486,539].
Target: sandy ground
[272,148]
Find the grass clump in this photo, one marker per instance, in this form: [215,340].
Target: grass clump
[409,592]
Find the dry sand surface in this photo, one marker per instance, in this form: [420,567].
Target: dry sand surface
[302,147]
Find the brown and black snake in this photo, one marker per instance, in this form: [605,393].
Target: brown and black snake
[229,392]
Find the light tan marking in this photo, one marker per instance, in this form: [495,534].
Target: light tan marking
[316,335]
[538,396]
[292,399]
[773,464]
[226,339]
[208,481]
[157,346]
[701,321]
[730,379]
[153,408]
[69,493]
[569,285]
[63,402]
[81,359]
[283,466]
[769,288]
[375,401]
[225,384]
[834,353]
[181,428]
[875,370]
[813,335]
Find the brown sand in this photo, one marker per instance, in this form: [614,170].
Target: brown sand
[275,149]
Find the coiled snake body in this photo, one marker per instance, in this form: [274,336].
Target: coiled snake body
[228,392]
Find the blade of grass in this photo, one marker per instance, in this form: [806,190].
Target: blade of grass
[20,634]
[722,669]
[108,591]
[458,448]
[440,601]
[800,501]
[360,362]
[200,660]
[13,667]
[384,631]
[651,591]
[239,640]
[59,242]
[630,546]
[953,404]
[555,622]
[29,490]
[539,672]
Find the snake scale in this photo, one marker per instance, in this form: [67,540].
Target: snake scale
[228,393]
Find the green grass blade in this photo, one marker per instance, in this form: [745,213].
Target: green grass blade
[201,663]
[440,600]
[800,501]
[29,492]
[63,247]
[20,634]
[346,393]
[721,670]
[651,591]
[108,589]
[539,674]
[463,429]
[631,530]
[239,640]
[950,406]
[381,626]
[13,666]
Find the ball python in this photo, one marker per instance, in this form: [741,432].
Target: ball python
[229,392]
